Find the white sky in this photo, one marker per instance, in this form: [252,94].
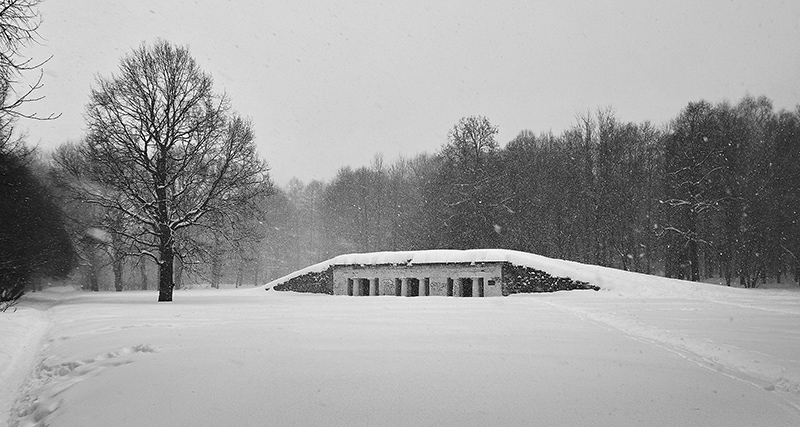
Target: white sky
[332,83]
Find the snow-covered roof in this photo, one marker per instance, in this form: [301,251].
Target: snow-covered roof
[434,256]
[438,256]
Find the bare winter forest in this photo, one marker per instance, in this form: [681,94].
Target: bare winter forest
[166,188]
[713,193]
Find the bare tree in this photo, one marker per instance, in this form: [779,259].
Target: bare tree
[33,241]
[19,23]
[470,181]
[166,151]
[693,159]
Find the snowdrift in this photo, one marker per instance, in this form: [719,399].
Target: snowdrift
[608,279]
[645,350]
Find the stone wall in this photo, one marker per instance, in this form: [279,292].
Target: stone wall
[518,279]
[430,279]
[318,283]
[483,279]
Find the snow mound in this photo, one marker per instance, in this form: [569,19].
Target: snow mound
[624,283]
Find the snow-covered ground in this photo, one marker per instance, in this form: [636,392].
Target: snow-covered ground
[642,351]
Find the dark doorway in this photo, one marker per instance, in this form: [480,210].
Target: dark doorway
[350,287]
[449,287]
[363,287]
[398,285]
[425,287]
[466,287]
[413,287]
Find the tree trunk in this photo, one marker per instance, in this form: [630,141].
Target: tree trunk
[94,285]
[692,248]
[742,276]
[256,273]
[91,277]
[216,270]
[796,270]
[726,266]
[143,272]
[165,284]
[694,261]
[708,264]
[178,268]
[166,249]
[117,267]
[240,273]
[165,266]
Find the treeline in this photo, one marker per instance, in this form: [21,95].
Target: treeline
[33,243]
[714,193]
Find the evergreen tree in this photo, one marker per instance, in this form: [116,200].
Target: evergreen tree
[33,240]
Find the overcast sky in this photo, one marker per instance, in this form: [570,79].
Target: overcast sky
[331,83]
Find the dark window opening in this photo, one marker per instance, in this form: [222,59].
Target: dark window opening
[413,287]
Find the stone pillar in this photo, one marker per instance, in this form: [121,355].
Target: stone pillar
[356,287]
[424,286]
[476,287]
[458,286]
[404,287]
[373,286]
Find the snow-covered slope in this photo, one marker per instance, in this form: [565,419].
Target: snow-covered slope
[646,351]
[609,279]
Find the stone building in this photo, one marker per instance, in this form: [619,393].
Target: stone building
[441,272]
[467,279]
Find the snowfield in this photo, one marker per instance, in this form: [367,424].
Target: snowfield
[643,351]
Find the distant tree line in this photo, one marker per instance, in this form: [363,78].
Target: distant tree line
[166,189]
[33,242]
[714,193]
